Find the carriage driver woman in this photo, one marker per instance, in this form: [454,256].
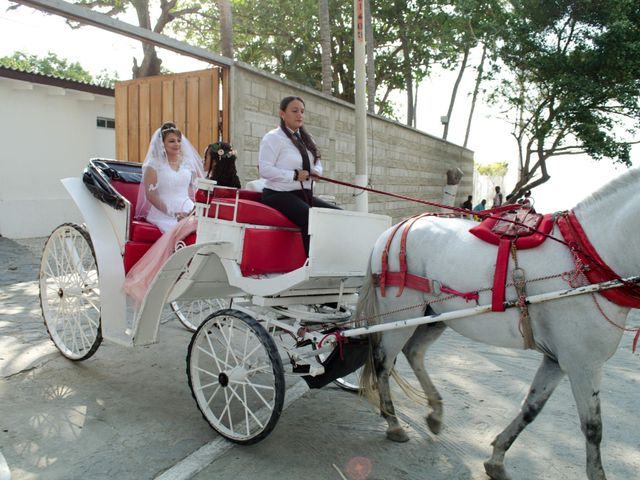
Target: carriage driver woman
[288,160]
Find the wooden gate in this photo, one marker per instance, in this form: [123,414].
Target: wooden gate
[197,102]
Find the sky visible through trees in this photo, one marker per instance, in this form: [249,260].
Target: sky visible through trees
[22,30]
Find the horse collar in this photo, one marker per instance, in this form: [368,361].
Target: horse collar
[591,264]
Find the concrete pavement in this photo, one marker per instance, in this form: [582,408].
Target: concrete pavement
[128,413]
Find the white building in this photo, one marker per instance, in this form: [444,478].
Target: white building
[50,128]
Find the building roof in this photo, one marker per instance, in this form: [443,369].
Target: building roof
[16,74]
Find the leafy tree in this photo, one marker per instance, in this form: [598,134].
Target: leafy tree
[570,81]
[55,66]
[170,10]
[496,169]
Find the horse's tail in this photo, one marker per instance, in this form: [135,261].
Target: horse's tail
[367,314]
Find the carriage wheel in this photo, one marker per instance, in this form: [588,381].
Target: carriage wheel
[70,292]
[192,313]
[236,376]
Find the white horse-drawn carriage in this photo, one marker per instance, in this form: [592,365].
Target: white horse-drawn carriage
[243,278]
[264,310]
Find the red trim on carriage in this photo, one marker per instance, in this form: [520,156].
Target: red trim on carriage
[592,265]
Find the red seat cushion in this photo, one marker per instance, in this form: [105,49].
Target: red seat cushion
[271,251]
[255,213]
[133,251]
[141,231]
[231,193]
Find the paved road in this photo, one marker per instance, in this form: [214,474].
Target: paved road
[128,413]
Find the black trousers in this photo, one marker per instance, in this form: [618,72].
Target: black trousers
[294,205]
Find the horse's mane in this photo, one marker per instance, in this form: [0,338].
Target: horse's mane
[629,178]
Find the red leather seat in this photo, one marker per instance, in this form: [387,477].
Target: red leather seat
[248,211]
[271,251]
[264,250]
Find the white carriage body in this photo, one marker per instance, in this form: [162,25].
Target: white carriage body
[340,245]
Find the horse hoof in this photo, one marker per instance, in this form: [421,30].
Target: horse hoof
[496,471]
[397,435]
[434,424]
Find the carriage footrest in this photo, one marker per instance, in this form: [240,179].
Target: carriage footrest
[354,354]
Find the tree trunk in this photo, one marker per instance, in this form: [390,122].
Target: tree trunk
[226,29]
[408,76]
[476,89]
[325,44]
[150,62]
[371,70]
[454,92]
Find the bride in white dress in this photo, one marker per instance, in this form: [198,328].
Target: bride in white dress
[169,173]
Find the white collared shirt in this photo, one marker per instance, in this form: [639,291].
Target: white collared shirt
[278,160]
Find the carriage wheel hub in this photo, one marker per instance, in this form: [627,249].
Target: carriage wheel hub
[237,374]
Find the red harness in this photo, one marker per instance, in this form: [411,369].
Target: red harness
[590,263]
[593,267]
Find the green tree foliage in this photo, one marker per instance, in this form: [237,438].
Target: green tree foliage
[55,66]
[51,64]
[570,81]
[496,169]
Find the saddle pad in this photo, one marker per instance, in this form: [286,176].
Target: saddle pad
[492,230]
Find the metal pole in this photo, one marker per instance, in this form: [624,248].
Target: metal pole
[470,312]
[362,199]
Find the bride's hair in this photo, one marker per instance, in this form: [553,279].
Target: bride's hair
[169,127]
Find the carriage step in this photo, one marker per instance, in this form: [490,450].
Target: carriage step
[307,369]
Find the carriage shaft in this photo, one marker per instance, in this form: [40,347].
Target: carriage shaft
[480,309]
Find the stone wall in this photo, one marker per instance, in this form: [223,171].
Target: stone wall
[400,159]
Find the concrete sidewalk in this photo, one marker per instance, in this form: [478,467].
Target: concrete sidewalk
[128,413]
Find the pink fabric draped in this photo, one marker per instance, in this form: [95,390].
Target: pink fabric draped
[144,271]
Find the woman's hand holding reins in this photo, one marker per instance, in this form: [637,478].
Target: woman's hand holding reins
[302,175]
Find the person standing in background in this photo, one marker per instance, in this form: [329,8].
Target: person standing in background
[497,198]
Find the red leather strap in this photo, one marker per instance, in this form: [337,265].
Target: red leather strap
[409,280]
[500,276]
[403,250]
[598,270]
[385,258]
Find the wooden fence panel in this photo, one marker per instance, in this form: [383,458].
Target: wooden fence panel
[191,100]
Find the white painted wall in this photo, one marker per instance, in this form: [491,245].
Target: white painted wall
[47,133]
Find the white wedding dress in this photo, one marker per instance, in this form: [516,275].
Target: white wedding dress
[173,189]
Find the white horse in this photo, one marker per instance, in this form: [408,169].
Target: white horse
[572,334]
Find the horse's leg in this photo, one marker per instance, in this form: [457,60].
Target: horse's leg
[585,385]
[415,350]
[384,358]
[546,380]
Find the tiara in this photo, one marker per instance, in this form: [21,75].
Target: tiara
[169,128]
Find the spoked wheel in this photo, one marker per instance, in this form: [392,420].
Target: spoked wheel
[236,376]
[192,313]
[70,293]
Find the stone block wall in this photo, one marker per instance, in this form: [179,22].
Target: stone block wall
[400,159]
